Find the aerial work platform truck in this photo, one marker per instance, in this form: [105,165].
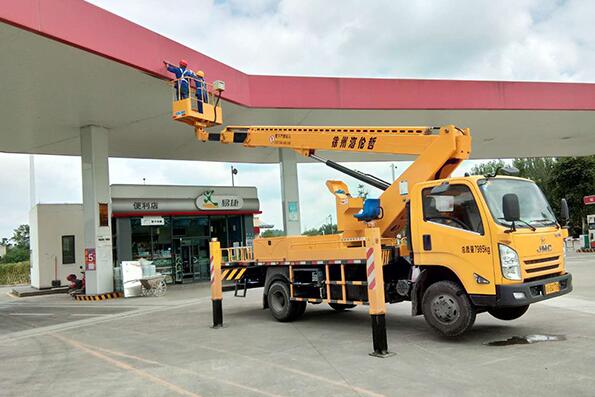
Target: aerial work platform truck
[452,246]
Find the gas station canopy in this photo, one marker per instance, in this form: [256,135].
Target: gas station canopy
[69,64]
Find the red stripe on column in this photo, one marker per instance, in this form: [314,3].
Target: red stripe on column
[372,284]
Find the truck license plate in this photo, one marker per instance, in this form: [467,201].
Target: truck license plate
[551,288]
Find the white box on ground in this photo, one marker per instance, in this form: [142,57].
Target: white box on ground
[132,271]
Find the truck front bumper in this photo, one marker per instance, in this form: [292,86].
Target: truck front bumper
[524,293]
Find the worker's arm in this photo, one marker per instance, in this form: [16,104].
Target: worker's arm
[170,67]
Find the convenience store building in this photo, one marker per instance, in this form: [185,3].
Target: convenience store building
[169,225]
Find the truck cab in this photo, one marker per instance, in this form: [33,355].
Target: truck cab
[462,228]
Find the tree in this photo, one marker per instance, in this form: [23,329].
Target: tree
[311,232]
[539,170]
[362,191]
[272,233]
[15,254]
[573,178]
[487,168]
[327,228]
[20,237]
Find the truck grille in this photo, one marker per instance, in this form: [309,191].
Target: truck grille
[541,269]
[539,265]
[541,260]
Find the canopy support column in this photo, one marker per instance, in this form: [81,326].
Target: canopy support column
[290,195]
[99,276]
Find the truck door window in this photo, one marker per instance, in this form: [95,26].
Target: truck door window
[455,207]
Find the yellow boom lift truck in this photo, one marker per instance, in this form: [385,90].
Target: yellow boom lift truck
[453,246]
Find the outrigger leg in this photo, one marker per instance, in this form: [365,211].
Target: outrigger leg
[376,301]
[216,287]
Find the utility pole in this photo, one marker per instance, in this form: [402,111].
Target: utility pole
[234,171]
[392,168]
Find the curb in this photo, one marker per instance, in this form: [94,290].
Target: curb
[100,297]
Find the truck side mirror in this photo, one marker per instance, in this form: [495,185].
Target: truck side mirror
[564,213]
[510,207]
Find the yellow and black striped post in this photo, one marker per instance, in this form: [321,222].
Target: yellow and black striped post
[216,288]
[376,301]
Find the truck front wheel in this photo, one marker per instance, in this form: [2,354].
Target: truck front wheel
[447,308]
[282,308]
[508,313]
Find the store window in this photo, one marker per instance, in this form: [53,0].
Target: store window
[68,253]
[141,240]
[197,226]
[154,243]
[234,225]
[161,243]
[219,230]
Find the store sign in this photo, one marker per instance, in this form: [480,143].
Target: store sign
[90,259]
[145,205]
[210,201]
[152,221]
[293,211]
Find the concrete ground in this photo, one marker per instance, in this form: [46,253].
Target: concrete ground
[52,345]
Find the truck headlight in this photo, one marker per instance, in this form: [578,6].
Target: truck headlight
[509,262]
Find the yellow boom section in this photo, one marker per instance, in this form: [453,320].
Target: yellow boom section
[439,149]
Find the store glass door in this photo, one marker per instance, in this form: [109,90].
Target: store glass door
[192,259]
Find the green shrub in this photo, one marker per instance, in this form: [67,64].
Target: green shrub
[14,273]
[16,254]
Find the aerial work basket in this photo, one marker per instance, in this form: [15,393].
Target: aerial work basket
[199,105]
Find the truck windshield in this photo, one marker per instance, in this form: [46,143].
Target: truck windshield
[534,207]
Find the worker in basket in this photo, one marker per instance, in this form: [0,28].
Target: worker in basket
[183,74]
[202,96]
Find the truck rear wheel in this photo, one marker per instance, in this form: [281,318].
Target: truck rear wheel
[508,313]
[341,306]
[447,308]
[282,308]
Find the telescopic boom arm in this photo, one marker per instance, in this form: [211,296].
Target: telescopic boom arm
[439,151]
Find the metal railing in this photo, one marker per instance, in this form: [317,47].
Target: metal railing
[198,91]
[238,254]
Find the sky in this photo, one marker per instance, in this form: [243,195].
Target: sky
[530,40]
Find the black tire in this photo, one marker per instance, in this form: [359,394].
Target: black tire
[508,313]
[341,306]
[447,308]
[282,308]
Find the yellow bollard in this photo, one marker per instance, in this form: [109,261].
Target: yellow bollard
[377,310]
[216,287]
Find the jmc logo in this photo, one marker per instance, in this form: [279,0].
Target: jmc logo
[544,247]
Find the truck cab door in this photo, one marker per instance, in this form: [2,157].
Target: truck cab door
[449,229]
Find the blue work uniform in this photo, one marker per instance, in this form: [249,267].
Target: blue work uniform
[182,75]
[201,92]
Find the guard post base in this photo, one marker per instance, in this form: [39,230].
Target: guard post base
[217,313]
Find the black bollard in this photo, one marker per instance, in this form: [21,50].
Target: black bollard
[379,336]
[217,313]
